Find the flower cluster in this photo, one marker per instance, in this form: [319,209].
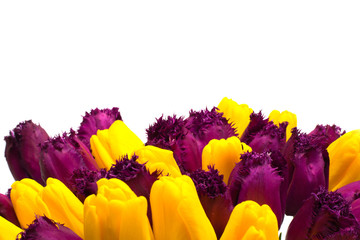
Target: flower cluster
[221,173]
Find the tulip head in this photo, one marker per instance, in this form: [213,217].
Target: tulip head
[254,178]
[223,154]
[344,154]
[116,213]
[276,117]
[250,221]
[43,228]
[237,114]
[22,151]
[214,197]
[325,215]
[177,212]
[97,119]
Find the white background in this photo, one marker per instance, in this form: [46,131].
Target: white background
[59,59]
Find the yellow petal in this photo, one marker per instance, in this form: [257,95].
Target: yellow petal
[284,116]
[249,220]
[112,144]
[177,212]
[158,159]
[8,230]
[115,189]
[344,154]
[223,154]
[238,114]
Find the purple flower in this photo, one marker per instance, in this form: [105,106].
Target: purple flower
[44,228]
[214,197]
[263,135]
[7,210]
[351,193]
[22,151]
[325,215]
[308,163]
[254,178]
[97,120]
[60,156]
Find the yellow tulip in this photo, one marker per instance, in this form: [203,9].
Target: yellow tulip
[111,144]
[177,212]
[344,154]
[116,213]
[54,200]
[223,154]
[250,221]
[237,114]
[8,230]
[156,158]
[284,116]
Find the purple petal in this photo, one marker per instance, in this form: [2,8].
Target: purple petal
[7,210]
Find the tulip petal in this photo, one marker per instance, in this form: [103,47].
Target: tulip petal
[8,230]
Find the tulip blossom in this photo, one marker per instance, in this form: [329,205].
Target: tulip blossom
[223,154]
[236,114]
[22,151]
[54,200]
[116,213]
[250,221]
[97,119]
[276,117]
[43,228]
[325,215]
[254,178]
[177,212]
[344,154]
[351,193]
[8,230]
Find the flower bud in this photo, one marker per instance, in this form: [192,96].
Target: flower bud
[22,151]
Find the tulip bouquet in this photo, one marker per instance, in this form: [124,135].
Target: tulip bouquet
[221,173]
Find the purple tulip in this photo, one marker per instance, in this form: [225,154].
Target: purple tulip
[97,120]
[325,215]
[254,178]
[7,210]
[214,197]
[22,151]
[60,156]
[264,136]
[351,192]
[44,228]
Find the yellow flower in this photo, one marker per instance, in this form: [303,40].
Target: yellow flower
[116,213]
[344,154]
[111,144]
[237,114]
[55,201]
[156,158]
[250,221]
[177,212]
[223,154]
[8,230]
[284,116]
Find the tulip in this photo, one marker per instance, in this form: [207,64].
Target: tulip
[44,228]
[250,221]
[214,197]
[7,210]
[351,193]
[223,154]
[59,158]
[264,136]
[236,114]
[177,212]
[308,163]
[22,151]
[116,213]
[254,178]
[344,154]
[54,200]
[325,215]
[111,144]
[96,120]
[8,230]
[276,117]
